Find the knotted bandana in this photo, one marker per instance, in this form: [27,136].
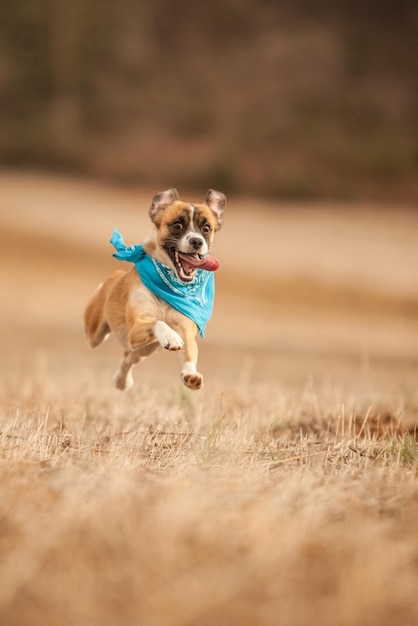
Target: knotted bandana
[194,299]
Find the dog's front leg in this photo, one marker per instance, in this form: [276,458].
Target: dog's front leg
[189,374]
[167,337]
[144,332]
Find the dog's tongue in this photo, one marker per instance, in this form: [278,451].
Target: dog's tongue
[209,263]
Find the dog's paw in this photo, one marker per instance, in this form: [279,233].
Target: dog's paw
[191,377]
[167,337]
[123,382]
[193,381]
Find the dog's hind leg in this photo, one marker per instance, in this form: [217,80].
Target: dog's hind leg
[123,378]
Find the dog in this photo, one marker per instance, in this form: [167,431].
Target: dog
[167,297]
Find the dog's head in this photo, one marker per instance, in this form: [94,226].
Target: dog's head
[185,231]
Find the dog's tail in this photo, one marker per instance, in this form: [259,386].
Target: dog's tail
[95,324]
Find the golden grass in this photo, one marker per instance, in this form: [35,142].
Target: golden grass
[162,507]
[285,493]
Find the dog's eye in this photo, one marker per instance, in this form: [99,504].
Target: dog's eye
[176,227]
[206,229]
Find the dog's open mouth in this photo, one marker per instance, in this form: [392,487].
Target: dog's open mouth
[187,264]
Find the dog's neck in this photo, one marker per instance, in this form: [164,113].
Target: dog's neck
[153,249]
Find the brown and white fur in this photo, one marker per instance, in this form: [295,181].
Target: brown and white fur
[140,321]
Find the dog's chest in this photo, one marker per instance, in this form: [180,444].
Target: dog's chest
[146,303]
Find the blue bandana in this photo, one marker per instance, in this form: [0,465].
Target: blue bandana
[194,299]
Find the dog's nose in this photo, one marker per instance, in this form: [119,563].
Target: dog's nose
[196,242]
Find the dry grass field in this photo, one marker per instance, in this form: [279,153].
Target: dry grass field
[285,493]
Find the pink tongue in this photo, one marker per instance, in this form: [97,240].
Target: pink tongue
[209,263]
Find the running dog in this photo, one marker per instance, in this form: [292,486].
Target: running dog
[167,297]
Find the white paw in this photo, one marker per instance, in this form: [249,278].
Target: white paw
[167,337]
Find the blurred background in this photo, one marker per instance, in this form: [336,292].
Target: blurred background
[285,99]
[303,114]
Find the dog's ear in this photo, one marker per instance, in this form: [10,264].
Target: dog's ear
[216,201]
[160,202]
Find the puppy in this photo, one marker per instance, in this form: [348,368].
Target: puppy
[167,297]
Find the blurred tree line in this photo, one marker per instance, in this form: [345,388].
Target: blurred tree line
[291,99]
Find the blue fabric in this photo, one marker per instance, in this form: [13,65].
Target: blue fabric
[194,299]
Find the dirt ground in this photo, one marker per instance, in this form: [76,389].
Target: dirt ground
[305,291]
